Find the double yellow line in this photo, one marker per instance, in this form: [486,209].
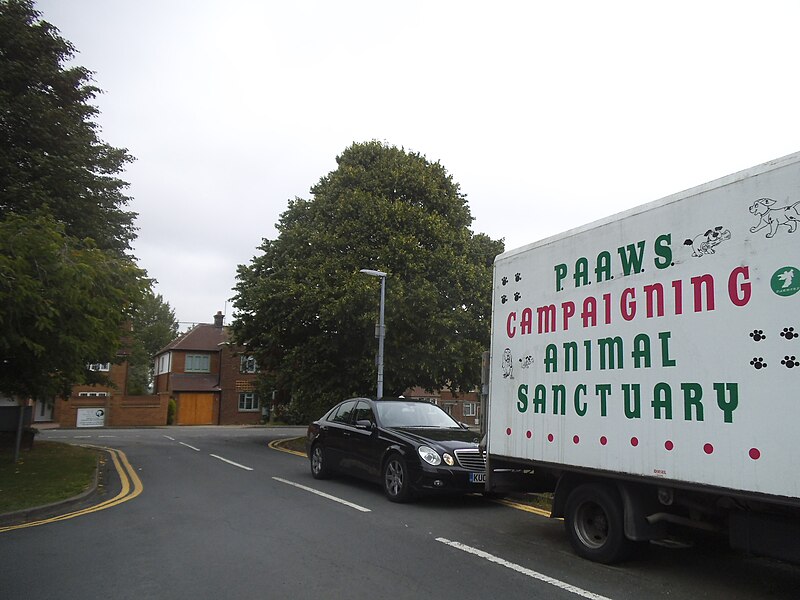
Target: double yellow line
[131,487]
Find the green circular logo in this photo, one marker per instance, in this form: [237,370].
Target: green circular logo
[786,281]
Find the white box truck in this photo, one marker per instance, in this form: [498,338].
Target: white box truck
[646,369]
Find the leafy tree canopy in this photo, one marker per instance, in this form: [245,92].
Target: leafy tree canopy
[308,314]
[153,327]
[67,283]
[50,154]
[61,306]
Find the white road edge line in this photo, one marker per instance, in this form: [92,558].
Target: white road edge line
[169,438]
[188,446]
[323,494]
[519,569]
[230,462]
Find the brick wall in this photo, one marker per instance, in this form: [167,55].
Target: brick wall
[120,411]
[133,411]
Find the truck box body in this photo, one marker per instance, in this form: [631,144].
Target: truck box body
[661,343]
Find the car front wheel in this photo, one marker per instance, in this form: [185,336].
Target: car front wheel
[319,465]
[396,483]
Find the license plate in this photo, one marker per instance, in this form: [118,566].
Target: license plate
[477,477]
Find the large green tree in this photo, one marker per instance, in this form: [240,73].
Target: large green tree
[68,285]
[309,315]
[62,306]
[51,156]
[153,326]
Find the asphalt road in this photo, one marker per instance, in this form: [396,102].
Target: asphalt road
[221,515]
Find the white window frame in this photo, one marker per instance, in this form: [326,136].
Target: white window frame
[249,402]
[163,363]
[470,409]
[247,364]
[197,363]
[99,367]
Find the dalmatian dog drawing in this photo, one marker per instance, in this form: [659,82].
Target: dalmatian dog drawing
[774,217]
[705,242]
[508,364]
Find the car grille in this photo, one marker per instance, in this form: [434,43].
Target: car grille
[474,460]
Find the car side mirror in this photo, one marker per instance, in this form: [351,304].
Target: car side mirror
[364,424]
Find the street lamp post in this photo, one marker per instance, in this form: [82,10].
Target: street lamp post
[381,327]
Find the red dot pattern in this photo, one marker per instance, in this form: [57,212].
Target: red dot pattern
[669,445]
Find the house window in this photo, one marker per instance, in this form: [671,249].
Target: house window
[92,394]
[470,409]
[198,363]
[248,401]
[105,367]
[248,365]
[163,364]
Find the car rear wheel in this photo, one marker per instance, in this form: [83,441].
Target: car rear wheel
[319,465]
[396,484]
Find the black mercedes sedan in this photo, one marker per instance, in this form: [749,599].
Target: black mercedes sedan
[410,447]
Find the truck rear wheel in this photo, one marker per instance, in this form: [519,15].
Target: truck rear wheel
[594,522]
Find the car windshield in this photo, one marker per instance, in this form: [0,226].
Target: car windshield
[413,414]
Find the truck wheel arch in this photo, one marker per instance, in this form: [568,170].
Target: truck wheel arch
[635,502]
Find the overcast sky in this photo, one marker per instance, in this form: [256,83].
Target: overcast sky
[548,114]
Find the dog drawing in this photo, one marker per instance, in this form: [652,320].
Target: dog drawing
[774,217]
[705,242]
[508,364]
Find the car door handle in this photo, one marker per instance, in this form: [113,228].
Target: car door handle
[346,434]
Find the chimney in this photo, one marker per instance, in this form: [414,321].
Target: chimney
[218,318]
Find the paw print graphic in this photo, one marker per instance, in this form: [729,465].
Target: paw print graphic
[758,335]
[790,362]
[503,299]
[517,277]
[517,295]
[504,280]
[789,333]
[759,363]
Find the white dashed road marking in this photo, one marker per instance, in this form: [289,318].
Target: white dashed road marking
[230,462]
[323,494]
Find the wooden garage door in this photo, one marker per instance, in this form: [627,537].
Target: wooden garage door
[196,409]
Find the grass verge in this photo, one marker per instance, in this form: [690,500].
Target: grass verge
[297,444]
[48,473]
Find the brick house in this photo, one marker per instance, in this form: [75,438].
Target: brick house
[210,379]
[464,407]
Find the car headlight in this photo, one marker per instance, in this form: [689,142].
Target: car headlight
[448,459]
[429,455]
